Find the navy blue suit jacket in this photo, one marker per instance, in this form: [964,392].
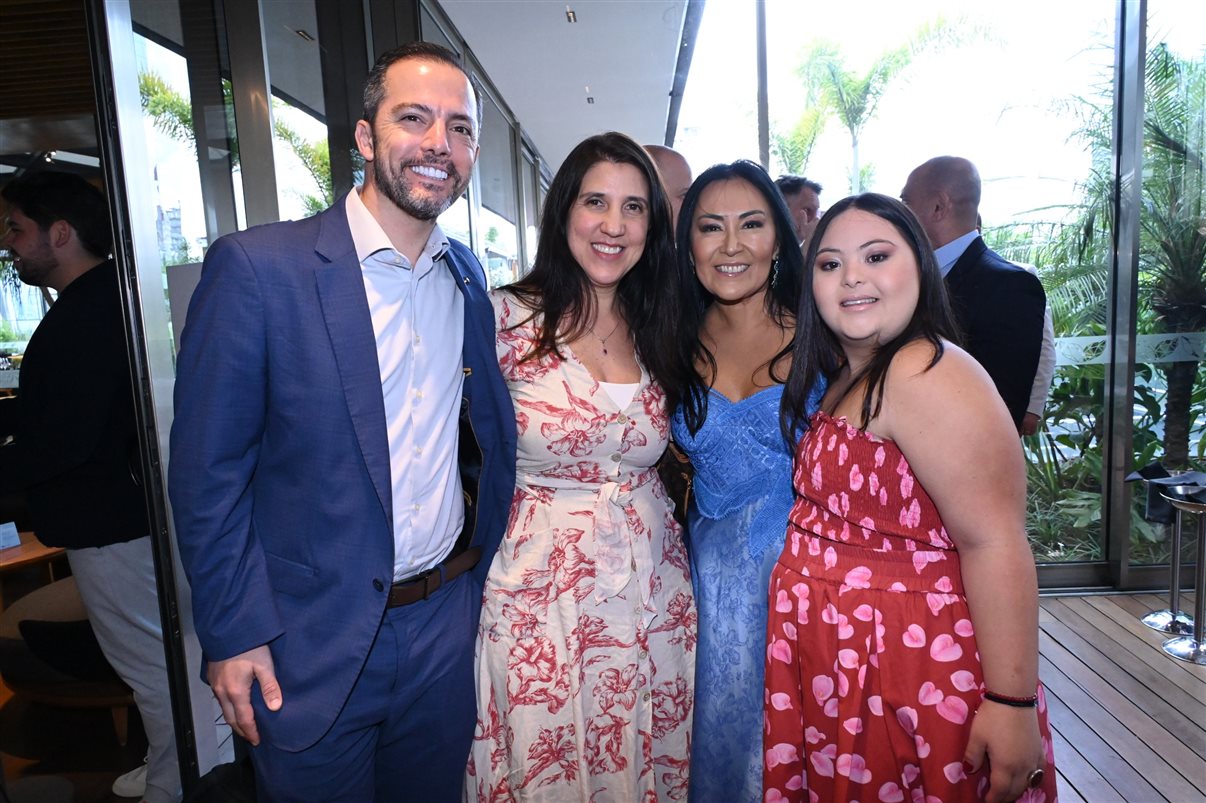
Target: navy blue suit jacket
[999,308]
[280,475]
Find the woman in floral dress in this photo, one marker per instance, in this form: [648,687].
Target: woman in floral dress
[585,652]
[902,653]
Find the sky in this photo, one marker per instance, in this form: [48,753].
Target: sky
[1000,97]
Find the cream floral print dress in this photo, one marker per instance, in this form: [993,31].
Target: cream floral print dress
[586,649]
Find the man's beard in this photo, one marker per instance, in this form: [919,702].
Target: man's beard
[419,206]
[35,269]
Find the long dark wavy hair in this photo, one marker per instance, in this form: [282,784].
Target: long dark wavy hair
[816,351]
[560,292]
[783,295]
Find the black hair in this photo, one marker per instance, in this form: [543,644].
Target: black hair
[374,85]
[791,185]
[559,291]
[783,295]
[816,351]
[51,195]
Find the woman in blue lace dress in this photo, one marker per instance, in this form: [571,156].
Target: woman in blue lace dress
[741,267]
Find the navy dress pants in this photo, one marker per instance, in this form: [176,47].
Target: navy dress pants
[405,732]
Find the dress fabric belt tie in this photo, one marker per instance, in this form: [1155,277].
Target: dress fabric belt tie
[623,554]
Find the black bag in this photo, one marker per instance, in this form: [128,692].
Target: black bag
[677,475]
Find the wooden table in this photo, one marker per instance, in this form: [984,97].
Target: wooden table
[30,552]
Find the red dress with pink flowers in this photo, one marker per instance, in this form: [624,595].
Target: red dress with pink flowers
[872,674]
[586,647]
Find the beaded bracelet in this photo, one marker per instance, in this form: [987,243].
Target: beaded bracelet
[1016,702]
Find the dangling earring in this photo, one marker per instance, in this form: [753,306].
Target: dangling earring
[774,271]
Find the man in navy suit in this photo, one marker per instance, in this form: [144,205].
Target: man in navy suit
[998,305]
[342,462]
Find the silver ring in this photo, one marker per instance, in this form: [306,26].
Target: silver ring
[1035,779]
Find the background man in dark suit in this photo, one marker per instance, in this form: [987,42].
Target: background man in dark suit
[999,306]
[336,568]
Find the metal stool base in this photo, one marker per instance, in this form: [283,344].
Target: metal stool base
[1186,649]
[1174,624]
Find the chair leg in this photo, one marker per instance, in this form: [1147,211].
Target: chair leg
[121,723]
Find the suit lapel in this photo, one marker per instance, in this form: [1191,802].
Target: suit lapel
[350,328]
[960,274]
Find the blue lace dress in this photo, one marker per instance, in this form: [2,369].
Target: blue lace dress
[735,529]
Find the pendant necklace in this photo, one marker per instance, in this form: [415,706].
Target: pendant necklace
[603,340]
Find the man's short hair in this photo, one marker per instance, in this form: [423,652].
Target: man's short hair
[792,185]
[50,195]
[374,85]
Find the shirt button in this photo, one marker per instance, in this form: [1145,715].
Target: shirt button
[397,260]
[643,654]
[645,696]
[418,340]
[417,507]
[419,450]
[623,419]
[418,394]
[615,458]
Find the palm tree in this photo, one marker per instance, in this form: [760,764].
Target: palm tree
[1172,238]
[1173,261]
[854,97]
[173,115]
[794,148]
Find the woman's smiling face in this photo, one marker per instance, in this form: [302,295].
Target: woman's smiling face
[865,280]
[733,241]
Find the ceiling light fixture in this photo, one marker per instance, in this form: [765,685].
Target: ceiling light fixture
[570,15]
[309,37]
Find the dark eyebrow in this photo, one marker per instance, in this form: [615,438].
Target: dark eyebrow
[740,216]
[419,107]
[873,242]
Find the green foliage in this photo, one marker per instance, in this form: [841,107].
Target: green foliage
[171,111]
[794,148]
[9,333]
[1073,253]
[172,114]
[834,89]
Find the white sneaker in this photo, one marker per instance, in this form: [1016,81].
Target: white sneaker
[133,783]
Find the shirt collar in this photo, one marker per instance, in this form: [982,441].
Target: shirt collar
[369,238]
[949,254]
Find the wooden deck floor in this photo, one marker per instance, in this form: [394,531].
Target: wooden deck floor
[1129,722]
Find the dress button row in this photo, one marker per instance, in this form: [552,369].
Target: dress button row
[615,458]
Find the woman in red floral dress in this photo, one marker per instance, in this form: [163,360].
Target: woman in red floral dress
[585,652]
[902,646]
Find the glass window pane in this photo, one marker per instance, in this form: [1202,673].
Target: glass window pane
[432,32]
[531,210]
[498,245]
[937,77]
[1170,383]
[299,131]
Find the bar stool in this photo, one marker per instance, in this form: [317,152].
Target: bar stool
[1172,620]
[1191,648]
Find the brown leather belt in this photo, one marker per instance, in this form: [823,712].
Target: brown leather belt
[424,584]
